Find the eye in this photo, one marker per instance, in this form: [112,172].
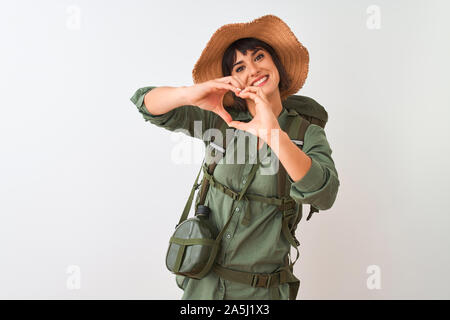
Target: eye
[261,54]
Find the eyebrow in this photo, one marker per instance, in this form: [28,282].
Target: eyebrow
[239,62]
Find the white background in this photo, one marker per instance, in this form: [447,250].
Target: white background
[85,181]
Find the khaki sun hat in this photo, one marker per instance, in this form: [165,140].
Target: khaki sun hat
[270,29]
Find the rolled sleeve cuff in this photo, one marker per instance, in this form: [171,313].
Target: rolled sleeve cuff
[138,100]
[138,96]
[312,180]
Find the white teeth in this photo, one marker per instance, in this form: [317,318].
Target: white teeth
[260,81]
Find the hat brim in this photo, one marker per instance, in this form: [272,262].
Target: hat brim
[270,29]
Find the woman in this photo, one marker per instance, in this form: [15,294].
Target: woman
[244,75]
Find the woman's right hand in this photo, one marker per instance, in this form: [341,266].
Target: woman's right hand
[209,95]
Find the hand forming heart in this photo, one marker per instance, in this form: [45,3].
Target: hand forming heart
[264,120]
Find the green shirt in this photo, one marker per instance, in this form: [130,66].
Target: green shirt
[260,246]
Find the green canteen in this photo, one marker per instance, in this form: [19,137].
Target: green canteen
[193,246]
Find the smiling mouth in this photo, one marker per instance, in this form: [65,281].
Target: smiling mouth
[259,83]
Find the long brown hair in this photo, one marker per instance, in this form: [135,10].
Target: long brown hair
[244,44]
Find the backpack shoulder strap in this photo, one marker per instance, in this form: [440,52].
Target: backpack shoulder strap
[296,125]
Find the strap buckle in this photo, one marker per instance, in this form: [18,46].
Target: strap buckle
[288,203]
[231,193]
[262,280]
[288,208]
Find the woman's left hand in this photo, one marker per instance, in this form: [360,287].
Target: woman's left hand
[264,120]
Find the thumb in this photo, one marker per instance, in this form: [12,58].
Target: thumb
[237,124]
[224,115]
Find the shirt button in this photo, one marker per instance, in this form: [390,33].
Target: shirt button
[228,236]
[244,181]
[237,209]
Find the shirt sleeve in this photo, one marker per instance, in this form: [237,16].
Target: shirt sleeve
[319,186]
[188,119]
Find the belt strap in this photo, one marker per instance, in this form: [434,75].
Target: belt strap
[262,280]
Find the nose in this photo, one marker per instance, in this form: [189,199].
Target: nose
[252,72]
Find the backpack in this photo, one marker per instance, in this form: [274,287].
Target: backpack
[302,112]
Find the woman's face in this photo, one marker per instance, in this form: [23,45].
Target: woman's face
[256,64]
